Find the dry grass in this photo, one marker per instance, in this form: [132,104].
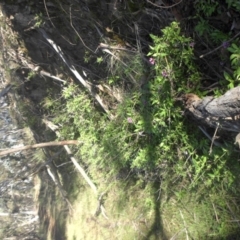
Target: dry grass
[127,208]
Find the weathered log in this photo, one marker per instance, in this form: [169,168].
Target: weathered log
[223,111]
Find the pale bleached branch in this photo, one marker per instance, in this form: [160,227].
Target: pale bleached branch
[54,128]
[39,145]
[74,161]
[76,73]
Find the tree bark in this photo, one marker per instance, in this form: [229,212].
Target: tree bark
[223,111]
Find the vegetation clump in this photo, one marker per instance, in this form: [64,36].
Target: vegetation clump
[149,136]
[157,170]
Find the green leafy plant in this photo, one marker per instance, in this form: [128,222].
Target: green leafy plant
[204,10]
[31,75]
[202,26]
[99,60]
[148,133]
[233,4]
[149,137]
[235,60]
[38,20]
[206,7]
[234,77]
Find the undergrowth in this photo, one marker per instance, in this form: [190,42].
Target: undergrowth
[149,135]
[149,157]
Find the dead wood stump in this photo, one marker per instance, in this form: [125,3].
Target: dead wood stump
[222,112]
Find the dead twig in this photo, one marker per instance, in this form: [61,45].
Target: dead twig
[47,74]
[184,223]
[215,49]
[74,161]
[45,5]
[77,32]
[44,164]
[209,137]
[165,7]
[76,74]
[137,38]
[233,214]
[53,173]
[117,58]
[38,145]
[214,208]
[103,45]
[54,128]
[213,138]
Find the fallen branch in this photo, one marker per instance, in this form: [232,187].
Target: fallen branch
[44,73]
[165,7]
[54,128]
[223,111]
[39,145]
[81,170]
[215,49]
[33,67]
[209,137]
[76,74]
[184,223]
[74,161]
[103,45]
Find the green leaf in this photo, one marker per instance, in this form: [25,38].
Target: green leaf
[227,76]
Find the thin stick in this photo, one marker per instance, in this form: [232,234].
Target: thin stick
[176,234]
[70,11]
[76,73]
[77,165]
[156,5]
[232,212]
[107,51]
[215,212]
[103,45]
[213,138]
[137,38]
[45,5]
[208,136]
[81,170]
[44,73]
[39,145]
[74,161]
[184,224]
[214,50]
